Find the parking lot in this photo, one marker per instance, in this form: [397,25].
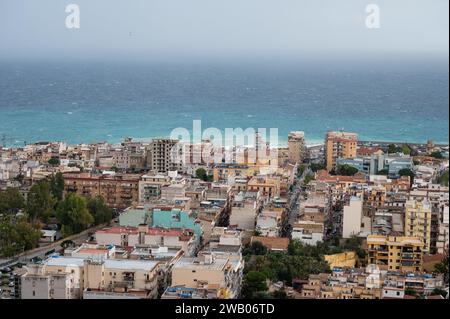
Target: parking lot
[7,282]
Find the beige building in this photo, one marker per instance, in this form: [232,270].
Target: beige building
[296,146]
[74,278]
[161,154]
[218,277]
[58,278]
[143,235]
[339,145]
[352,217]
[150,187]
[418,221]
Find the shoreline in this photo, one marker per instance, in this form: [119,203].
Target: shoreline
[311,143]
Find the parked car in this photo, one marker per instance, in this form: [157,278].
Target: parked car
[6,270]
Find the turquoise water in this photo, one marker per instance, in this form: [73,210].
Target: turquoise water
[84,102]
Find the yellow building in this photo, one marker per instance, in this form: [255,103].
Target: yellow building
[268,186]
[418,221]
[339,145]
[395,253]
[346,259]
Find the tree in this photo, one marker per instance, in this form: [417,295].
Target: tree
[355,243]
[308,178]
[99,210]
[254,282]
[54,161]
[437,155]
[317,166]
[40,201]
[411,292]
[346,170]
[384,171]
[256,248]
[73,215]
[200,173]
[279,294]
[57,185]
[392,149]
[406,149]
[17,236]
[300,170]
[438,291]
[11,201]
[443,179]
[442,267]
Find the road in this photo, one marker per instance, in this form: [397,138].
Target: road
[41,251]
[295,199]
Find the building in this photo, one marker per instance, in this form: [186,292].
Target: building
[418,221]
[339,145]
[83,277]
[296,146]
[162,156]
[372,165]
[118,190]
[57,278]
[176,219]
[205,277]
[395,253]
[308,232]
[352,218]
[272,243]
[150,187]
[443,236]
[145,236]
[120,279]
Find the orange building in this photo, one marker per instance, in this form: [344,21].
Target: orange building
[339,145]
[119,191]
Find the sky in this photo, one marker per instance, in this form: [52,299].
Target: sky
[221,28]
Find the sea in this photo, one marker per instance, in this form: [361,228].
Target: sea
[83,101]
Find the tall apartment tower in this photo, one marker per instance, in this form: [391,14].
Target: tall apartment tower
[339,145]
[160,155]
[296,146]
[418,221]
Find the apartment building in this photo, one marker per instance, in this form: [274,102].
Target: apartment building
[57,278]
[339,145]
[163,155]
[144,236]
[368,283]
[207,276]
[352,217]
[308,232]
[267,185]
[150,187]
[443,236]
[296,146]
[121,279]
[418,221]
[118,190]
[395,253]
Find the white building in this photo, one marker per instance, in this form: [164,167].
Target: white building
[352,218]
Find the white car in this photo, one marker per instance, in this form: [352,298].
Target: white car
[11,284]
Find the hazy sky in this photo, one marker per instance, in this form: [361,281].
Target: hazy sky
[217,28]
